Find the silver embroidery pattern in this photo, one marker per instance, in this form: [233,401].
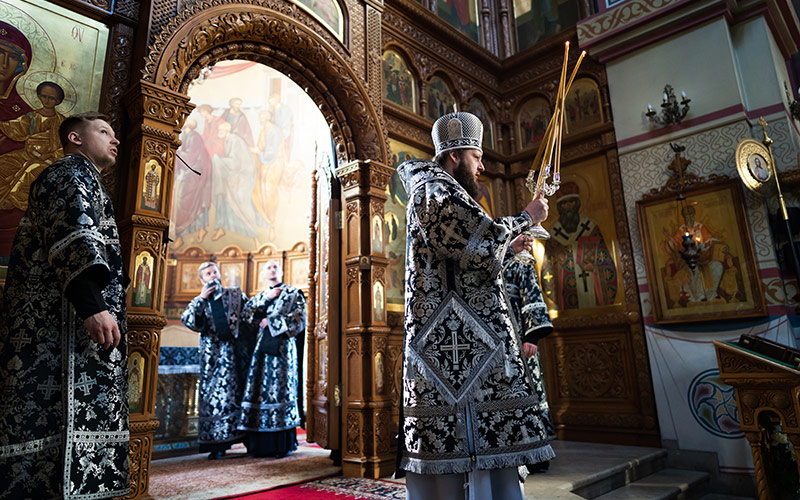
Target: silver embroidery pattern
[466,393]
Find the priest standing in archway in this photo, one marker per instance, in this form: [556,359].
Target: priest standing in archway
[272,406]
[466,421]
[216,314]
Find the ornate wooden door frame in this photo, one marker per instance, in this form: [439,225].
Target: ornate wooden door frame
[158,105]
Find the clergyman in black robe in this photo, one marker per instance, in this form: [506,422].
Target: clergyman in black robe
[63,387]
[215,313]
[272,404]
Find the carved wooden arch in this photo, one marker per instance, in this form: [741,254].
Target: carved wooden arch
[210,31]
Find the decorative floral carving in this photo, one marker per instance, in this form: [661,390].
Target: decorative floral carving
[354,434]
[148,239]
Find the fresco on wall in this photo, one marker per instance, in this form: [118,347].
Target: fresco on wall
[328,12]
[460,14]
[478,108]
[440,98]
[537,20]
[582,107]
[254,151]
[532,121]
[398,83]
[59,58]
[394,214]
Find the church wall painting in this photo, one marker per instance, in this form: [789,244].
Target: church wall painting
[537,20]
[152,175]
[532,121]
[460,14]
[399,84]
[699,258]
[60,58]
[328,12]
[394,215]
[478,108]
[440,98]
[582,107]
[143,279]
[255,153]
[579,270]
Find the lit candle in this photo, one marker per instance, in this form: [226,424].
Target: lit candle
[649,107]
[683,94]
[665,97]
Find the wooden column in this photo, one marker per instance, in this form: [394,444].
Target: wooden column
[368,429]
[155,117]
[762,384]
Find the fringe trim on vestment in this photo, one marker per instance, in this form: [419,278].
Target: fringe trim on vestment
[464,465]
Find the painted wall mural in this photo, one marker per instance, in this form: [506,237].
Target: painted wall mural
[255,154]
[55,69]
[478,108]
[540,19]
[399,85]
[328,12]
[460,14]
[440,99]
[532,120]
[582,106]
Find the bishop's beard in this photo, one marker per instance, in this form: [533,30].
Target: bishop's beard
[466,179]
[569,220]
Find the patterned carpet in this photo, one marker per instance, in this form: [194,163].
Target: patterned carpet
[332,488]
[194,477]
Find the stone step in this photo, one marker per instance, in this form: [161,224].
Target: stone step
[666,484]
[589,470]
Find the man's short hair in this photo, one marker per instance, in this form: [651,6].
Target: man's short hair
[76,122]
[204,265]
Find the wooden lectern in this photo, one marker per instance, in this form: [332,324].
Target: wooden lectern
[762,384]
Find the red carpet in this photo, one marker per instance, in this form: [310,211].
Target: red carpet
[331,488]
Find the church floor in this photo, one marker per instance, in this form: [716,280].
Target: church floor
[194,477]
[579,471]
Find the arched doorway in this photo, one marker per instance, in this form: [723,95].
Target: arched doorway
[241,196]
[158,106]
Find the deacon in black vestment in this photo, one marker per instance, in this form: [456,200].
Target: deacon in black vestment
[63,387]
[224,354]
